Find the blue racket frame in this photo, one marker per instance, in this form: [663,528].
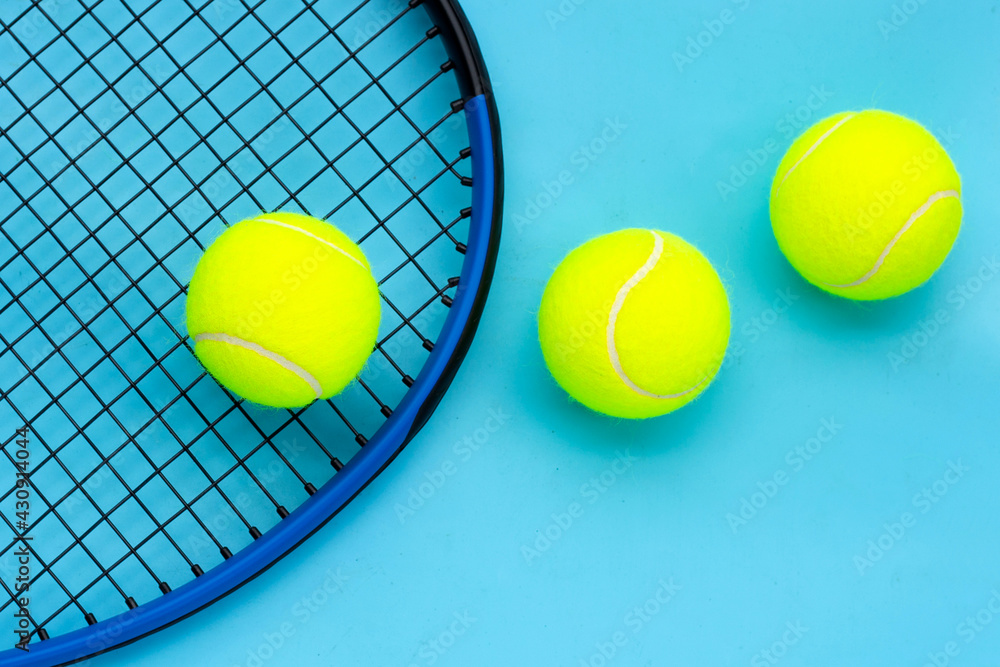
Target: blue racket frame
[412,412]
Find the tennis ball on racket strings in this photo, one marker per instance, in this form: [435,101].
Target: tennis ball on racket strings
[283,310]
[866,205]
[634,324]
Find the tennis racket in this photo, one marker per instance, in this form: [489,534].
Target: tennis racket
[134,490]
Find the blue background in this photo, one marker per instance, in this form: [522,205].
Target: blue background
[400,582]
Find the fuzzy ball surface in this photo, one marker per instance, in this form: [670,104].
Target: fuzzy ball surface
[283,310]
[634,324]
[866,205]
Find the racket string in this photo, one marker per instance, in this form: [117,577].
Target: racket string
[355,193]
[128,390]
[117,266]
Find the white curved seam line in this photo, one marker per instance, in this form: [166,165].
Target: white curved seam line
[267,354]
[934,198]
[811,150]
[616,307]
[343,252]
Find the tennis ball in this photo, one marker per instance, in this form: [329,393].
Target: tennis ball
[866,205]
[283,310]
[634,324]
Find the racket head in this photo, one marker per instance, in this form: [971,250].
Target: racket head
[42,311]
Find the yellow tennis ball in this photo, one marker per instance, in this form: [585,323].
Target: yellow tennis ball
[866,205]
[283,310]
[634,324]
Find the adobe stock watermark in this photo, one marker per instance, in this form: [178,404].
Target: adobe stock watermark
[908,178]
[378,19]
[787,128]
[22,521]
[971,627]
[773,654]
[293,278]
[632,623]
[406,166]
[589,493]
[594,324]
[580,161]
[699,43]
[432,650]
[92,483]
[380,360]
[795,460]
[89,306]
[200,545]
[754,328]
[922,502]
[123,104]
[241,165]
[289,450]
[109,637]
[900,15]
[300,613]
[31,25]
[461,453]
[911,344]
[561,12]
